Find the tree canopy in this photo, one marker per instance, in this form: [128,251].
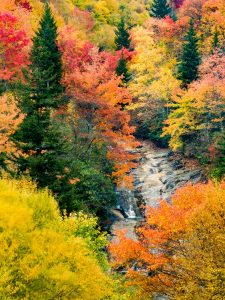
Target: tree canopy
[180,249]
[42,254]
[82,84]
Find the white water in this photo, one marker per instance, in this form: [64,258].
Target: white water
[157,177]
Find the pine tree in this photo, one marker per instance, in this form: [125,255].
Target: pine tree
[190,58]
[122,39]
[46,65]
[37,136]
[160,9]
[219,168]
[122,69]
[216,39]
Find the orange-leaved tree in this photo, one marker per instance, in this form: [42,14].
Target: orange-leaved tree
[10,118]
[98,97]
[180,250]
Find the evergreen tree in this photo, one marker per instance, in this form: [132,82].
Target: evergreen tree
[190,58]
[47,156]
[219,168]
[46,65]
[122,69]
[160,9]
[38,136]
[122,39]
[216,40]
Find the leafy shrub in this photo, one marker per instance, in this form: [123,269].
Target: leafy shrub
[45,256]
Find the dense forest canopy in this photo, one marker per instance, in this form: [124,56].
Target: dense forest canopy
[82,83]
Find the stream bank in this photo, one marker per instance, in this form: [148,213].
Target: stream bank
[158,175]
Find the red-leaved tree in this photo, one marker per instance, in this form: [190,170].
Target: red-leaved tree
[98,95]
[13,52]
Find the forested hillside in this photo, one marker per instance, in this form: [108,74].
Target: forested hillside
[82,84]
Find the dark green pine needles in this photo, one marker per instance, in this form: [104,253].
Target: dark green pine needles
[190,58]
[160,9]
[122,70]
[46,65]
[219,165]
[48,155]
[215,40]
[37,136]
[122,39]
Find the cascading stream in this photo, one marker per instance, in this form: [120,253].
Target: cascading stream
[157,177]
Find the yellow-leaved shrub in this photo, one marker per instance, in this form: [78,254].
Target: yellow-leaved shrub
[40,257]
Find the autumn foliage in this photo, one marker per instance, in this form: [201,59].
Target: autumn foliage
[200,109]
[97,96]
[180,249]
[43,255]
[13,51]
[10,118]
[80,80]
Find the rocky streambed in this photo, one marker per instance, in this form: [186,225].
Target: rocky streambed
[158,175]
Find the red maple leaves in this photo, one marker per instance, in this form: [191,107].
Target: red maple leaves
[13,52]
[98,94]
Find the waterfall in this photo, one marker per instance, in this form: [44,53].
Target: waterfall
[131,213]
[156,178]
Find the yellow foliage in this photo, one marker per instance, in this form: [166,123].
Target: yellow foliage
[199,108]
[104,36]
[202,271]
[10,118]
[137,11]
[213,20]
[182,120]
[83,4]
[181,247]
[40,257]
[152,69]
[103,9]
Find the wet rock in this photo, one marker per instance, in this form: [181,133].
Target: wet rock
[118,215]
[153,170]
[157,177]
[195,174]
[177,164]
[170,186]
